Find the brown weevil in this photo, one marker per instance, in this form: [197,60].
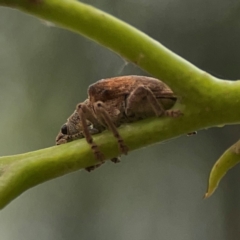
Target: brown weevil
[114,101]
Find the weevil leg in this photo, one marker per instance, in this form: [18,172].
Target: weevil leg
[142,92]
[99,156]
[91,168]
[86,114]
[100,110]
[173,113]
[116,160]
[192,133]
[89,116]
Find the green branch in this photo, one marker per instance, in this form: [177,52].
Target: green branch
[201,96]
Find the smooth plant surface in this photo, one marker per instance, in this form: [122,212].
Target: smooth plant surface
[205,100]
[228,160]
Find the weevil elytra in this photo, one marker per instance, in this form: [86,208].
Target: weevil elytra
[114,101]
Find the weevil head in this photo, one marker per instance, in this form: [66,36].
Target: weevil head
[70,130]
[73,129]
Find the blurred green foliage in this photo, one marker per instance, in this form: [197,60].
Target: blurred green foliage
[155,193]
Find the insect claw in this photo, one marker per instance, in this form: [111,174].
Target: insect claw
[116,160]
[91,168]
[173,113]
[124,149]
[99,156]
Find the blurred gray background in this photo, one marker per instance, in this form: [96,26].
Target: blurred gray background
[154,193]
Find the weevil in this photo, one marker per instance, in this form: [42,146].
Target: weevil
[114,101]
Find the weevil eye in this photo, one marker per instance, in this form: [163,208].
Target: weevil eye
[64,129]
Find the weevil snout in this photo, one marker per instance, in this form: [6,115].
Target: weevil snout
[60,139]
